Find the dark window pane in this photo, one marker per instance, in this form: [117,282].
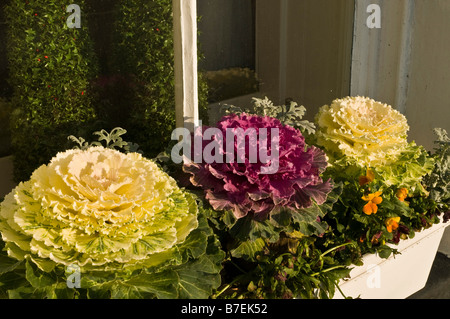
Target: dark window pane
[227,41]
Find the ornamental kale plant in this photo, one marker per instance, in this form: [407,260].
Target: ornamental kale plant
[242,187]
[268,223]
[384,199]
[118,218]
[363,131]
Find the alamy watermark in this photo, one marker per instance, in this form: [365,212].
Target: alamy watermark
[374,20]
[74,20]
[74,276]
[221,149]
[374,277]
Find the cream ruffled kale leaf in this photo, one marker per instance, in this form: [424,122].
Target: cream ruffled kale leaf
[114,215]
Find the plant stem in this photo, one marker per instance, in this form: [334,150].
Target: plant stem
[327,270]
[334,248]
[228,286]
[342,293]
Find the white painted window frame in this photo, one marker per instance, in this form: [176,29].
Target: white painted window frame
[186,63]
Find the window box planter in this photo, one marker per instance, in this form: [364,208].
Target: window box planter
[399,276]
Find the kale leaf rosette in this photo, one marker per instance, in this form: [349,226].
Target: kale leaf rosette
[267,199]
[253,197]
[364,131]
[359,133]
[384,198]
[127,226]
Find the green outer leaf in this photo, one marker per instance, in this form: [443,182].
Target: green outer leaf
[26,293]
[197,278]
[408,171]
[162,284]
[248,249]
[8,264]
[249,228]
[11,281]
[307,218]
[37,278]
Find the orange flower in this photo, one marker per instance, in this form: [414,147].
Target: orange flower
[373,200]
[392,223]
[401,194]
[364,180]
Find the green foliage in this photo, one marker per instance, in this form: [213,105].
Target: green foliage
[112,140]
[291,114]
[195,276]
[278,258]
[60,88]
[438,182]
[369,233]
[51,67]
[289,268]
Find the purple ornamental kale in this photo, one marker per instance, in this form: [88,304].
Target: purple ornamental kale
[242,185]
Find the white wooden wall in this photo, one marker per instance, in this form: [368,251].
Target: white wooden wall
[406,62]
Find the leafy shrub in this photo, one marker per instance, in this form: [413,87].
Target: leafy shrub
[51,67]
[438,181]
[155,242]
[60,90]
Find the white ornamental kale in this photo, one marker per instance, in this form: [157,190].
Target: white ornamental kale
[98,208]
[359,133]
[113,215]
[366,132]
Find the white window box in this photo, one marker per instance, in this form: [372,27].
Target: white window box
[399,276]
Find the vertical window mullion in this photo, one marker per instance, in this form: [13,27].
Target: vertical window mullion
[186,63]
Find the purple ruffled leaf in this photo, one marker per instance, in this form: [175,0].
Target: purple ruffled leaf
[243,188]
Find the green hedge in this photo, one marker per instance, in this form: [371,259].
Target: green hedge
[50,67]
[62,88]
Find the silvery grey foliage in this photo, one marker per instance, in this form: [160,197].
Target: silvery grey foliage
[112,140]
[438,182]
[291,114]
